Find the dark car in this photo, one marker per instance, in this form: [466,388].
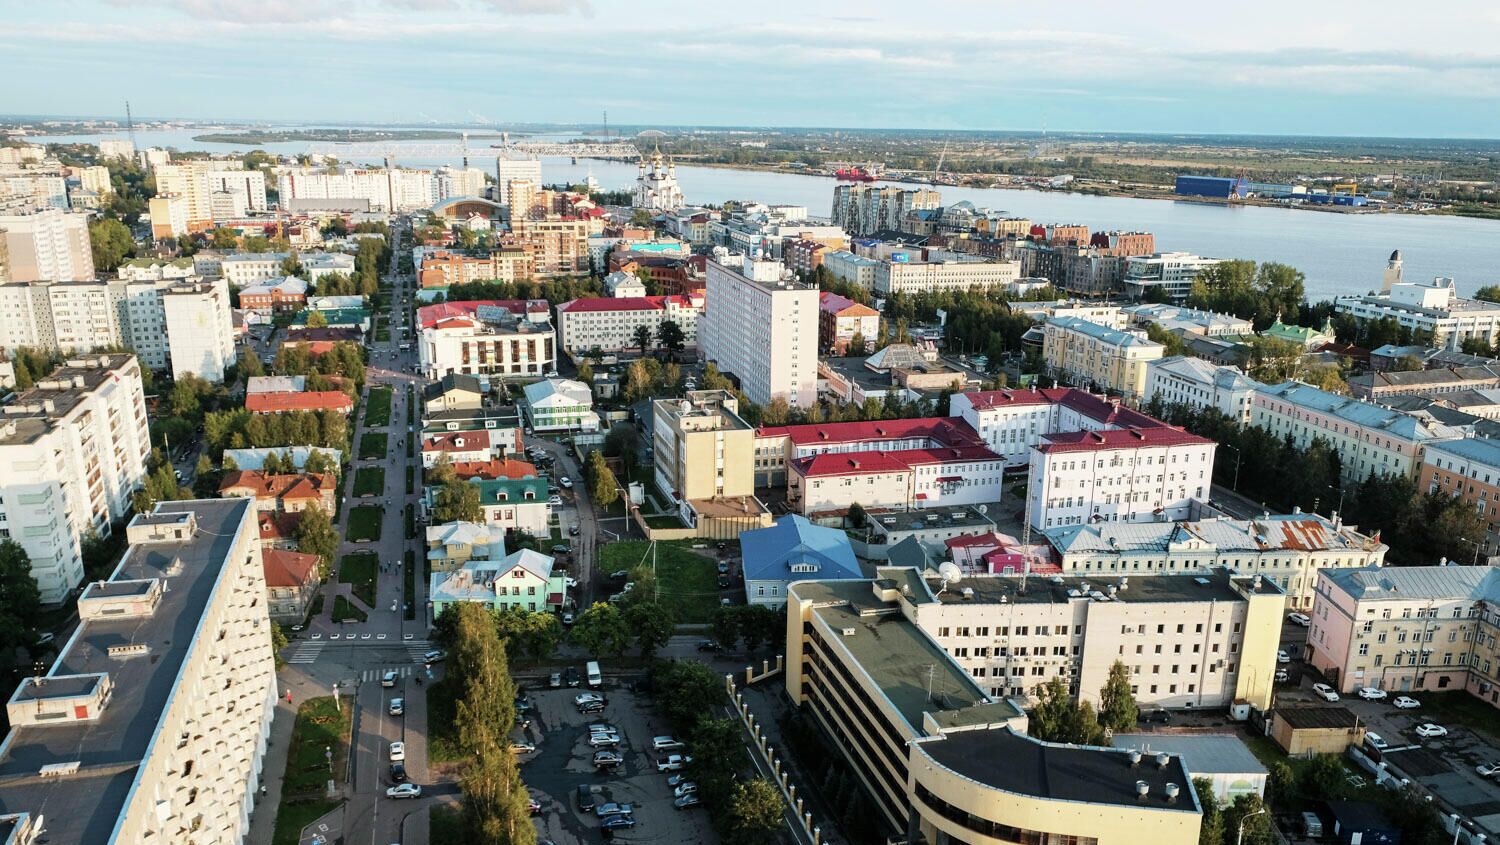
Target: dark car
[613,822]
[724,582]
[562,549]
[723,568]
[1156,716]
[708,645]
[587,797]
[398,772]
[570,676]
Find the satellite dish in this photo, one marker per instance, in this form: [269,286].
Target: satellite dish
[950,572]
[984,508]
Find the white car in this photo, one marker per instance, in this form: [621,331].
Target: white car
[554,501]
[1325,692]
[1488,770]
[398,707]
[1376,740]
[566,482]
[1281,656]
[1299,618]
[1282,676]
[404,790]
[398,752]
[389,679]
[1372,694]
[1404,702]
[585,697]
[522,747]
[603,740]
[673,763]
[1428,730]
[665,743]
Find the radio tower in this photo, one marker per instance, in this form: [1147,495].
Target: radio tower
[606,126]
[129,125]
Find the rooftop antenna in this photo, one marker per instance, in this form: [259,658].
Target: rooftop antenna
[931,671]
[129,124]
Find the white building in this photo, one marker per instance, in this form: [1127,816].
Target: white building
[559,404]
[116,148]
[72,450]
[1121,475]
[761,325]
[508,170]
[656,186]
[855,269]
[1171,272]
[1434,308]
[1103,313]
[386,190]
[155,269]
[903,480]
[864,209]
[196,182]
[47,246]
[95,178]
[453,182]
[1184,321]
[505,338]
[1182,380]
[172,660]
[199,327]
[247,268]
[39,189]
[937,276]
[621,283]
[609,324]
[1013,422]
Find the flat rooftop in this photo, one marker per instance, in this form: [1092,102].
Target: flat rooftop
[83,807]
[992,589]
[54,397]
[1016,763]
[898,656]
[951,516]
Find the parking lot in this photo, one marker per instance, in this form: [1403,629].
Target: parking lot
[562,762]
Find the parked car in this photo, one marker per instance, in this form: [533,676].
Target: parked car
[1371,694]
[1404,702]
[398,773]
[607,759]
[522,747]
[554,501]
[434,656]
[613,809]
[405,790]
[572,531]
[1156,716]
[523,704]
[398,707]
[1428,730]
[1376,741]
[566,482]
[587,696]
[534,806]
[604,740]
[666,743]
[398,752]
[591,707]
[723,568]
[686,801]
[708,645]
[587,796]
[570,674]
[1488,770]
[562,549]
[673,763]
[685,788]
[614,822]
[602,728]
[1325,692]
[1282,657]
[677,780]
[1282,676]
[1300,619]
[567,619]
[554,680]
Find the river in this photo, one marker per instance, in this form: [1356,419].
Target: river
[1339,253]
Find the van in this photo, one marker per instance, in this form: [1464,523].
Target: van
[586,797]
[1312,826]
[404,347]
[596,679]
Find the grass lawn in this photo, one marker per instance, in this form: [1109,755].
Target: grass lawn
[292,816]
[369,481]
[344,611]
[664,521]
[446,824]
[372,445]
[408,585]
[364,523]
[320,725]
[442,733]
[687,581]
[378,408]
[411,522]
[411,479]
[359,571]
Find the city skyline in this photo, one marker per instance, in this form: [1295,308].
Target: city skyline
[1349,71]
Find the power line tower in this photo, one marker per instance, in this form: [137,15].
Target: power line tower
[129,125]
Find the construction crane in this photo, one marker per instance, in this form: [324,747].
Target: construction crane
[129,125]
[937,171]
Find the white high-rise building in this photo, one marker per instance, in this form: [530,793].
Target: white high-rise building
[508,170]
[116,148]
[387,190]
[199,328]
[455,182]
[72,450]
[196,182]
[34,189]
[49,246]
[172,661]
[95,179]
[762,325]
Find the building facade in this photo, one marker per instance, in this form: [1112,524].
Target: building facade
[1469,469]
[910,277]
[502,338]
[609,324]
[559,404]
[50,245]
[1172,273]
[841,320]
[866,209]
[1013,422]
[1122,475]
[656,186]
[762,326]
[1084,352]
[1433,310]
[1194,382]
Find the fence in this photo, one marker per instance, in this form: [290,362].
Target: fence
[767,751]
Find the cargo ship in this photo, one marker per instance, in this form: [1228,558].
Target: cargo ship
[853,174]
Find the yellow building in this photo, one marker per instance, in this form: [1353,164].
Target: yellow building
[941,758]
[705,461]
[1081,352]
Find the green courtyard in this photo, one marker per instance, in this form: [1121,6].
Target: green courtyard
[686,580]
[378,408]
[372,445]
[359,570]
[364,524]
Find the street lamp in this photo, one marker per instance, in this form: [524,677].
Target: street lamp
[1239,838]
[1237,455]
[1475,561]
[1457,828]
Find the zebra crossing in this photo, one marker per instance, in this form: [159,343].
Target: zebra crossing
[306,652]
[371,675]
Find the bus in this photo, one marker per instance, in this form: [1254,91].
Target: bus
[596,680]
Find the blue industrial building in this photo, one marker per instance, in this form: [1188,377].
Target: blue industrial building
[1218,187]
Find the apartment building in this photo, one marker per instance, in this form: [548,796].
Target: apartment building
[1187,321]
[1435,383]
[910,277]
[1289,549]
[1170,272]
[48,245]
[34,188]
[937,753]
[904,479]
[199,328]
[1434,309]
[702,447]
[454,182]
[557,244]
[1408,629]
[1469,469]
[776,447]
[1088,353]
[1367,438]
[389,190]
[243,269]
[64,317]
[508,170]
[72,450]
[283,492]
[863,209]
[761,325]
[442,268]
[559,404]
[1123,475]
[804,256]
[275,295]
[841,319]
[1198,384]
[196,184]
[504,338]
[1013,422]
[848,267]
[609,324]
[172,661]
[292,579]
[1105,314]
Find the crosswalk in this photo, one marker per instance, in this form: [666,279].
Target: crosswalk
[371,675]
[308,651]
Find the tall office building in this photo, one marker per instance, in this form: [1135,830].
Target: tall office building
[760,324]
[509,170]
[390,189]
[866,209]
[49,246]
[72,450]
[153,723]
[197,182]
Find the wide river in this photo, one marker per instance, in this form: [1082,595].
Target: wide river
[1339,253]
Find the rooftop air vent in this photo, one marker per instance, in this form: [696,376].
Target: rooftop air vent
[1172,790]
[1163,759]
[848,632]
[1135,758]
[1142,789]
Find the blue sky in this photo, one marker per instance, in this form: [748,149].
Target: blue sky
[1325,67]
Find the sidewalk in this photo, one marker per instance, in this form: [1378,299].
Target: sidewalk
[273,767]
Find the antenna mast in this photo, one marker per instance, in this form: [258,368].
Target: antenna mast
[129,124]
[606,126]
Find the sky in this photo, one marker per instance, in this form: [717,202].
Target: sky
[1314,67]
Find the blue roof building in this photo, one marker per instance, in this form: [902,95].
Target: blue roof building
[793,550]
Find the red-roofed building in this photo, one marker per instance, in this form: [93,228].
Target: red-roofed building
[610,323]
[287,492]
[278,529]
[291,582]
[901,479]
[840,319]
[1118,475]
[459,446]
[506,338]
[775,446]
[1011,422]
[307,400]
[493,469]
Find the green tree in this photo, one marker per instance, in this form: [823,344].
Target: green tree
[278,642]
[857,345]
[586,374]
[755,813]
[205,479]
[317,320]
[725,626]
[1248,809]
[652,623]
[1117,707]
[778,411]
[457,501]
[110,242]
[1211,829]
[601,631]
[317,536]
[697,691]
[20,599]
[1488,293]
[1057,718]
[603,487]
[642,337]
[670,336]
[224,239]
[531,633]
